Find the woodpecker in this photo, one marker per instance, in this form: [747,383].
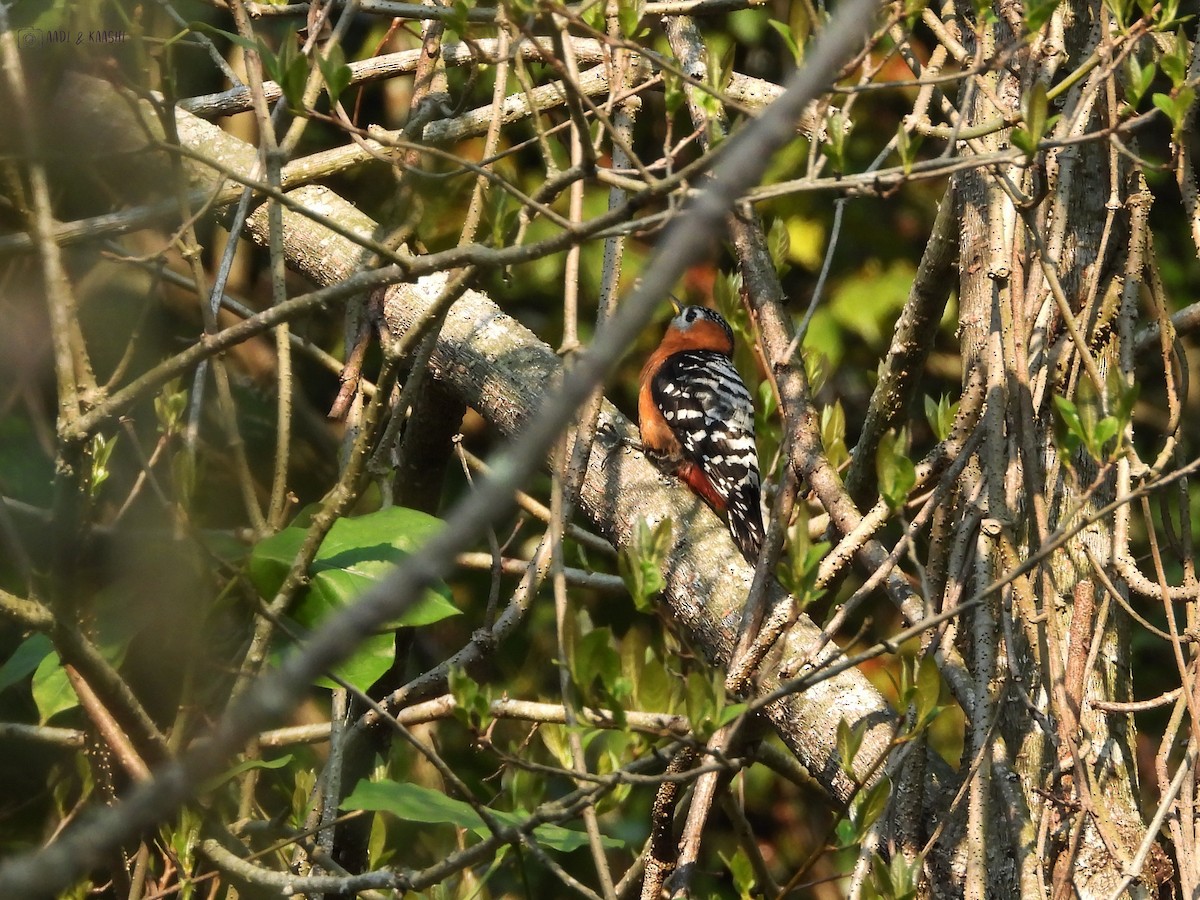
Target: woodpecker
[697,420]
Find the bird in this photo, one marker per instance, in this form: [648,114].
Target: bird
[696,419]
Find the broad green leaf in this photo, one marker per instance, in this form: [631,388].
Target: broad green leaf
[25,660]
[169,407]
[413,803]
[872,804]
[101,452]
[355,555]
[52,692]
[1023,141]
[729,713]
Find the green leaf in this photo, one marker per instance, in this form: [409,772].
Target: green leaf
[642,560]
[673,96]
[895,471]
[849,740]
[1137,80]
[1174,64]
[355,555]
[928,690]
[52,691]
[1106,429]
[458,19]
[835,147]
[25,660]
[245,43]
[907,145]
[742,872]
[941,415]
[1035,111]
[1069,429]
[245,766]
[472,701]
[334,71]
[1038,13]
[1023,141]
[1121,10]
[833,434]
[789,40]
[799,575]
[703,699]
[729,713]
[893,880]
[778,245]
[629,15]
[870,805]
[413,803]
[101,452]
[169,406]
[594,658]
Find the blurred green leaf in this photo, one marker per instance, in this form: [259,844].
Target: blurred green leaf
[742,872]
[472,701]
[789,40]
[169,407]
[25,660]
[779,245]
[928,691]
[244,766]
[895,471]
[642,561]
[596,659]
[413,803]
[334,71]
[1038,13]
[868,302]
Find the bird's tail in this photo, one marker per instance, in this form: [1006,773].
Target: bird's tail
[745,522]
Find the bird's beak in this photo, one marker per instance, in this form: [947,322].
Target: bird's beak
[676,305]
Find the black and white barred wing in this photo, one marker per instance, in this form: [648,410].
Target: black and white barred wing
[706,404]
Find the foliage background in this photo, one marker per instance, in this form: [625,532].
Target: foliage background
[143,543]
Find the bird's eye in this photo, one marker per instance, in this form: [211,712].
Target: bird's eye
[691,315]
